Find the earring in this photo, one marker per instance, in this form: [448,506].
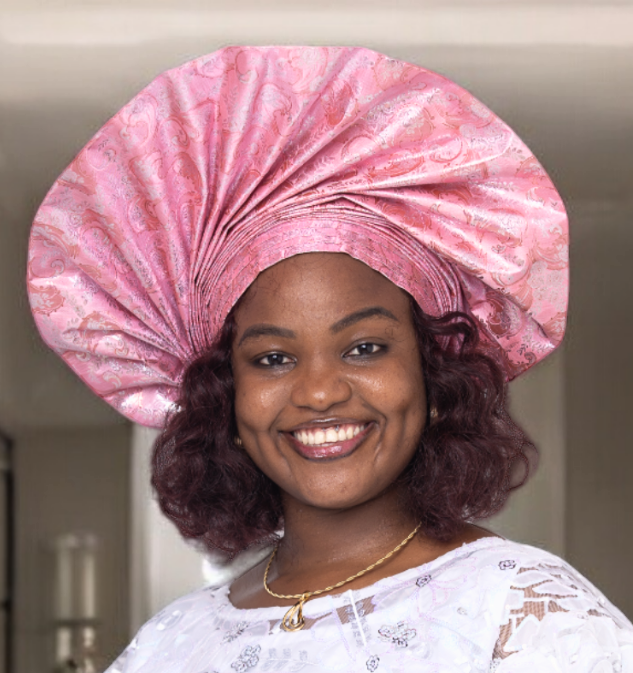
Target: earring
[433,414]
[238,441]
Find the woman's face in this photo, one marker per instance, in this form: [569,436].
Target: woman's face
[329,393]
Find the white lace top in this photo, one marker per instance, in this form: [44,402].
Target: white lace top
[491,605]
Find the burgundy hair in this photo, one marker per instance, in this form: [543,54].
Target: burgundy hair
[470,456]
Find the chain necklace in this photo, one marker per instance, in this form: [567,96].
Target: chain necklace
[293,619]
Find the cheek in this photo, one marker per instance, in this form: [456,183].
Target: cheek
[256,404]
[399,391]
[409,406]
[406,420]
[408,415]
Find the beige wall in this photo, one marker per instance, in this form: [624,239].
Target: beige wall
[67,481]
[577,407]
[599,392]
[535,514]
[162,565]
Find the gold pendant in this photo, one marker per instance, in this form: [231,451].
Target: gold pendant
[293,619]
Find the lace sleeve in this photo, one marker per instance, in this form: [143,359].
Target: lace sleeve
[555,620]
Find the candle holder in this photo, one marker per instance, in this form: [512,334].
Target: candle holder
[75,646]
[75,621]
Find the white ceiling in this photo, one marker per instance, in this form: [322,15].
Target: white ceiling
[478,24]
[560,73]
[39,5]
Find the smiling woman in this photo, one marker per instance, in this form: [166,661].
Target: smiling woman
[327,359]
[328,363]
[316,270]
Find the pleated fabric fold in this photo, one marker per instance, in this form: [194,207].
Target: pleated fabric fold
[235,161]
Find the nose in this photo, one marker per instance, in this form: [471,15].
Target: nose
[320,385]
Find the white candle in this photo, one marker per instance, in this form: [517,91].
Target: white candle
[64,578]
[76,577]
[88,580]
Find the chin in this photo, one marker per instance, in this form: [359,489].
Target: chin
[329,499]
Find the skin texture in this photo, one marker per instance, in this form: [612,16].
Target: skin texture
[324,340]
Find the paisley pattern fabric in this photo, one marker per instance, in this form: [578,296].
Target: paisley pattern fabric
[492,605]
[229,164]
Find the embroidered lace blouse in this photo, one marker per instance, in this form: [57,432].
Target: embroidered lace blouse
[491,605]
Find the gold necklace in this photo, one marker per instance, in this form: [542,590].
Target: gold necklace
[293,619]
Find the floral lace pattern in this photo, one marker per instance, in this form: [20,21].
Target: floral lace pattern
[248,659]
[235,632]
[489,606]
[544,590]
[399,635]
[372,664]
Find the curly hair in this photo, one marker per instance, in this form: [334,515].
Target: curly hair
[470,456]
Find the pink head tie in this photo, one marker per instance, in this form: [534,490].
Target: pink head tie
[225,166]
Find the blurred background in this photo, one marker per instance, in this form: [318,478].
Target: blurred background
[82,547]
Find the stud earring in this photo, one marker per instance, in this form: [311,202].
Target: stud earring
[238,441]
[432,414]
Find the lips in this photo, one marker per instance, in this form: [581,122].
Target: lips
[324,442]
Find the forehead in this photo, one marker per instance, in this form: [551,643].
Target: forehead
[319,284]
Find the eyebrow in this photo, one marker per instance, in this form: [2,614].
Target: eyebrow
[256,331]
[363,314]
[266,330]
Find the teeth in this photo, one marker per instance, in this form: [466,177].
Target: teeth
[331,435]
[338,433]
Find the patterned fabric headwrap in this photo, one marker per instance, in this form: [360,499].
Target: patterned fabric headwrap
[229,164]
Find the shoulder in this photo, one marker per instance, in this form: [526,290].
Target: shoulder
[508,555]
[533,576]
[159,637]
[553,617]
[540,576]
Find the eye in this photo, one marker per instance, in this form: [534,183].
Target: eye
[273,360]
[365,349]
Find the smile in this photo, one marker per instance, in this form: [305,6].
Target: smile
[328,443]
[331,435]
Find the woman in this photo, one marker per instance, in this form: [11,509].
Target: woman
[320,266]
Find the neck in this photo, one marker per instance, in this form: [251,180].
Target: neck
[314,536]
